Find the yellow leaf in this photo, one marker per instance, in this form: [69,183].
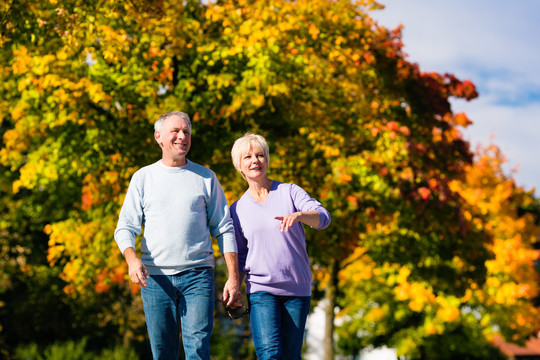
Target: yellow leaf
[257,100]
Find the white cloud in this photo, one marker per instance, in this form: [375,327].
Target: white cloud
[492,43]
[485,32]
[515,130]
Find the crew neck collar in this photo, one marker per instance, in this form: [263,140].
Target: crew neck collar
[174,168]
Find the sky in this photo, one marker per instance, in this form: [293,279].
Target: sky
[494,44]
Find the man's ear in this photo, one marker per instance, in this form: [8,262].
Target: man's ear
[157,136]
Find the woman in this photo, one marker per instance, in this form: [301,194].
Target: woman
[272,252]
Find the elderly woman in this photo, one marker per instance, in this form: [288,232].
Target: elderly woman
[268,221]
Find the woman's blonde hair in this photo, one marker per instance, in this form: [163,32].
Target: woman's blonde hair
[246,143]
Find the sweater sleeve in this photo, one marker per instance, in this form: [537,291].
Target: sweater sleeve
[131,218]
[241,241]
[303,202]
[219,218]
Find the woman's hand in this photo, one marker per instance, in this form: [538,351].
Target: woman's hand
[288,220]
[311,218]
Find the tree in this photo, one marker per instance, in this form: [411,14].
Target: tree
[393,307]
[511,215]
[346,115]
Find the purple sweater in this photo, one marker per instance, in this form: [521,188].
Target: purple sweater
[274,261]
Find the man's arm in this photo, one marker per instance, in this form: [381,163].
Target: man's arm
[231,291]
[221,227]
[128,228]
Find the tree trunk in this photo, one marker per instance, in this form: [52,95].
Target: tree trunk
[330,299]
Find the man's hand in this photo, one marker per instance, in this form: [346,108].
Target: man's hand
[232,297]
[231,291]
[137,270]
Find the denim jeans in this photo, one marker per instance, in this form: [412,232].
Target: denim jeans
[182,301]
[277,325]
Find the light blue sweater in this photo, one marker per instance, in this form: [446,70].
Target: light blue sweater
[178,207]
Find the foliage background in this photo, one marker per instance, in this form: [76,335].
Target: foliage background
[431,247]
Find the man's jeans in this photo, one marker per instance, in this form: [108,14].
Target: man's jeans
[186,300]
[277,325]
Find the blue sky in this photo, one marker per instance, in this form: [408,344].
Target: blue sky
[496,45]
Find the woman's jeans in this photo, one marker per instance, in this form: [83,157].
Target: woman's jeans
[277,325]
[183,300]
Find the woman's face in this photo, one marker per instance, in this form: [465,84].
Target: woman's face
[253,164]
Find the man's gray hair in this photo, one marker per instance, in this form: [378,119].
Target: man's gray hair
[159,122]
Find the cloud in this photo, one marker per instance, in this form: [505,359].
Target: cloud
[493,44]
[513,129]
[441,33]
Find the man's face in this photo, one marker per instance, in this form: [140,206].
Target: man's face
[174,138]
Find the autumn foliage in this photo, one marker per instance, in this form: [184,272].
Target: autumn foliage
[430,247]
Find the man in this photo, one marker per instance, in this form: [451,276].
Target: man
[178,203]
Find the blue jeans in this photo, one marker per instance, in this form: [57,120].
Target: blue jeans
[277,325]
[185,301]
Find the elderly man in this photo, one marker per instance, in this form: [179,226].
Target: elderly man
[179,204]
